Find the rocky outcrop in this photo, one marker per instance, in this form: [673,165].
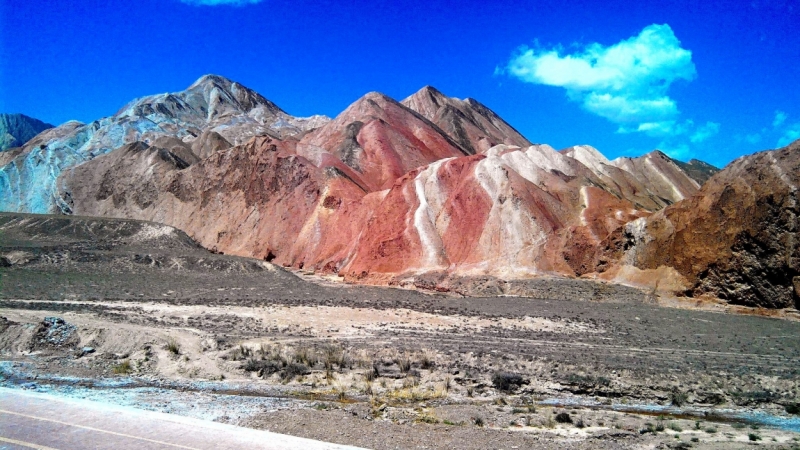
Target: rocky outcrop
[17,129]
[472,125]
[212,104]
[661,174]
[735,240]
[699,171]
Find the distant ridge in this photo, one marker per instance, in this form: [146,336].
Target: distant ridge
[17,129]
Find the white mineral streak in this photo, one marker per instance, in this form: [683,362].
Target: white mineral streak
[511,239]
[428,191]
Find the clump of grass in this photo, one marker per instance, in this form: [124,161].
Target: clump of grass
[335,355]
[507,382]
[448,383]
[792,408]
[738,425]
[368,389]
[711,430]
[580,423]
[659,426]
[753,437]
[470,391]
[678,398]
[563,417]
[675,427]
[263,368]
[372,374]
[292,370]
[478,421]
[425,361]
[427,418]
[123,368]
[404,364]
[173,346]
[304,355]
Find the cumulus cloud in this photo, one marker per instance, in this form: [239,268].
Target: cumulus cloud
[780,118]
[680,151]
[704,132]
[626,83]
[791,134]
[754,138]
[221,2]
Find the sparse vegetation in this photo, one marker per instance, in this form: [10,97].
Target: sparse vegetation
[753,437]
[507,382]
[123,368]
[404,364]
[173,347]
[563,417]
[678,398]
[478,421]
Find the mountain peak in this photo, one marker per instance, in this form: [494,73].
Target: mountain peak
[17,129]
[211,79]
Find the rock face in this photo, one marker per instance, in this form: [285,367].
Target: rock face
[17,129]
[661,174]
[377,140]
[735,240]
[472,125]
[698,170]
[214,104]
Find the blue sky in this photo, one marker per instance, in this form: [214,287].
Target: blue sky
[712,80]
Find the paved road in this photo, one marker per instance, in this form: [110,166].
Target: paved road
[40,421]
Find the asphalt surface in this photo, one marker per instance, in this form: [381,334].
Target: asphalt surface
[40,421]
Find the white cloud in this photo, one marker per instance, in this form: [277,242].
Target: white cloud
[680,151]
[754,138]
[780,118]
[704,132]
[221,2]
[791,134]
[658,129]
[626,83]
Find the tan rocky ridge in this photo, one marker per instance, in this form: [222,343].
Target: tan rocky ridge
[735,240]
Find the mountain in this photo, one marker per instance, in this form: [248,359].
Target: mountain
[383,194]
[213,103]
[735,240]
[472,125]
[17,129]
[699,171]
[376,140]
[661,173]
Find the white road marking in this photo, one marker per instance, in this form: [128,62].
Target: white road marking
[2,411]
[25,444]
